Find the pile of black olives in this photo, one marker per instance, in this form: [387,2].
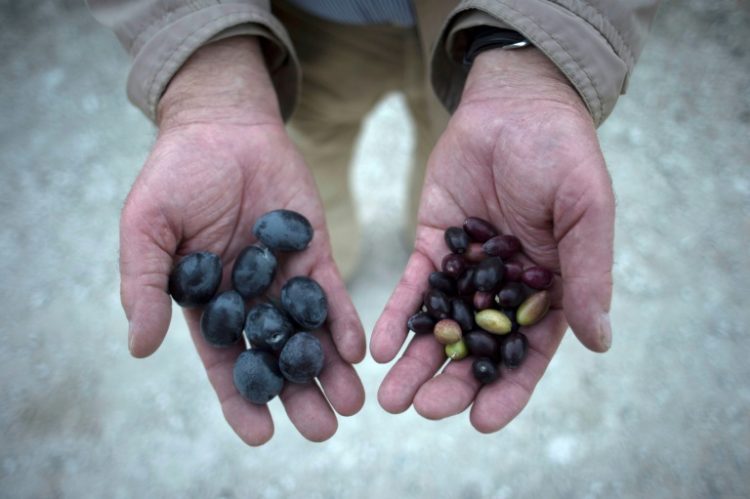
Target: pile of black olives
[278,331]
[481,298]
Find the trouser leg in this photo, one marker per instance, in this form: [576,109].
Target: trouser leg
[345,71]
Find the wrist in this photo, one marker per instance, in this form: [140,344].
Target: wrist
[518,75]
[223,82]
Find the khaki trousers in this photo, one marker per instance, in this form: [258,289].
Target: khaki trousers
[346,70]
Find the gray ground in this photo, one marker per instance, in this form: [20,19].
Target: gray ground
[665,414]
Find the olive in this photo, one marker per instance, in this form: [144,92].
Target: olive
[462,313]
[484,370]
[301,359]
[223,318]
[253,271]
[257,376]
[437,304]
[465,284]
[195,279]
[537,278]
[489,274]
[479,230]
[454,265]
[482,344]
[443,282]
[513,349]
[284,230]
[456,239]
[267,327]
[421,323]
[504,246]
[305,302]
[510,295]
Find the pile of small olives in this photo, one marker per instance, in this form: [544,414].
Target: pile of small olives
[481,298]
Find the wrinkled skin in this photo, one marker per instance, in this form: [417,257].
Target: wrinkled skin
[214,170]
[520,151]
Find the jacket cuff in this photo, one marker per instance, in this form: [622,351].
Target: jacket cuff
[577,47]
[161,56]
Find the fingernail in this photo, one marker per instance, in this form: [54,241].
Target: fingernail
[605,332]
[131,337]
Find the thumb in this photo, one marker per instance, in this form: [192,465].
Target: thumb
[147,245]
[584,229]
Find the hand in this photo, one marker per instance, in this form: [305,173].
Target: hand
[221,160]
[520,151]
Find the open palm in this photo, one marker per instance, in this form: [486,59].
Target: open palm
[531,166]
[202,188]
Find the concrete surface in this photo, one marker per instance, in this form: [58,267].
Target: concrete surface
[664,414]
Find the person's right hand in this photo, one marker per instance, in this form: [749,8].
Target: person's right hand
[222,159]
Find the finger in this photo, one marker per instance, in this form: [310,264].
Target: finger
[147,246]
[420,362]
[584,229]
[448,393]
[252,423]
[498,403]
[390,331]
[309,411]
[343,321]
[339,380]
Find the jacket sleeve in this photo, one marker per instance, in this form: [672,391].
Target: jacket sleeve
[160,35]
[595,43]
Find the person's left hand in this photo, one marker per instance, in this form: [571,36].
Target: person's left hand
[521,152]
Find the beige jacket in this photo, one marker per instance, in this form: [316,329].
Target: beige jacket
[595,43]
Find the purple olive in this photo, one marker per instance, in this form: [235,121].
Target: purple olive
[513,271]
[474,253]
[510,295]
[479,230]
[504,246]
[537,278]
[456,239]
[483,299]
